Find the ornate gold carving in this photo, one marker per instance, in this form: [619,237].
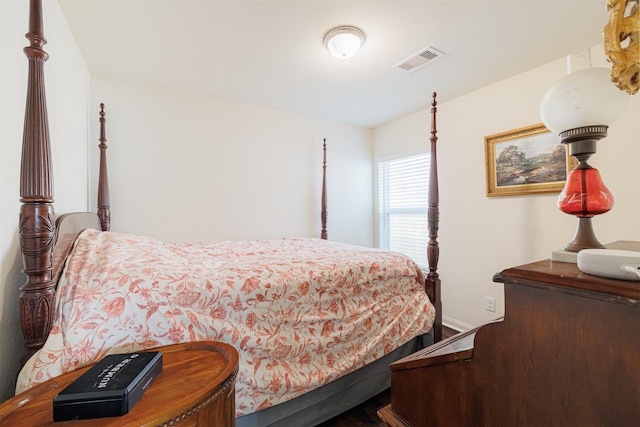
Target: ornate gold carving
[623,28]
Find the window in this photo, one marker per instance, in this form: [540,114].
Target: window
[403,187]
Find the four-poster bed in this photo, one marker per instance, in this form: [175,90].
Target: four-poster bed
[61,255]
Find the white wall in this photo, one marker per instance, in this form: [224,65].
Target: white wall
[67,85]
[188,167]
[480,236]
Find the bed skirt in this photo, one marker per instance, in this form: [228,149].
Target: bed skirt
[339,396]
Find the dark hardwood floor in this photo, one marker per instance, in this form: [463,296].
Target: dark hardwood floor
[366,414]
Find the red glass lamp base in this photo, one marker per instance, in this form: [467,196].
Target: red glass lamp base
[584,195]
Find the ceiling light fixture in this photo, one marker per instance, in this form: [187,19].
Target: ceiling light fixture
[344,42]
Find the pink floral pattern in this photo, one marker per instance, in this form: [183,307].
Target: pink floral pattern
[300,312]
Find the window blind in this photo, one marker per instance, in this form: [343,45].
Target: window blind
[403,191]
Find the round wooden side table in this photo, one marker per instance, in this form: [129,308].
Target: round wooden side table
[196,388]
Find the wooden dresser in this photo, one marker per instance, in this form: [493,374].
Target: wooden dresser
[196,388]
[567,353]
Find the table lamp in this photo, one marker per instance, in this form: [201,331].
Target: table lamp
[580,107]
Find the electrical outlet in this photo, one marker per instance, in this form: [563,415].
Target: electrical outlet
[490,303]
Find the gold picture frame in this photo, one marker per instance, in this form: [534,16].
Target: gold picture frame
[528,160]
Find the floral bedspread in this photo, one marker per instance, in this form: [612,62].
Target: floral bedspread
[301,312]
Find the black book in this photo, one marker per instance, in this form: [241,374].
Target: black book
[110,388]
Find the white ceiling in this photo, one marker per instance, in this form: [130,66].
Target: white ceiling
[270,52]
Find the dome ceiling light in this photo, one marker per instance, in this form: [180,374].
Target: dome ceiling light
[344,42]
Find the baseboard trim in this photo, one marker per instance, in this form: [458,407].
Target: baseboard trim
[456,324]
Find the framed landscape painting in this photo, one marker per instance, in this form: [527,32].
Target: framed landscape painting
[529,160]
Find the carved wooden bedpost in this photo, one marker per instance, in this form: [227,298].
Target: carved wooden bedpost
[37,218]
[433,250]
[323,214]
[104,202]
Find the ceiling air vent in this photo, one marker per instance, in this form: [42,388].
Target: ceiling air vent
[420,59]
